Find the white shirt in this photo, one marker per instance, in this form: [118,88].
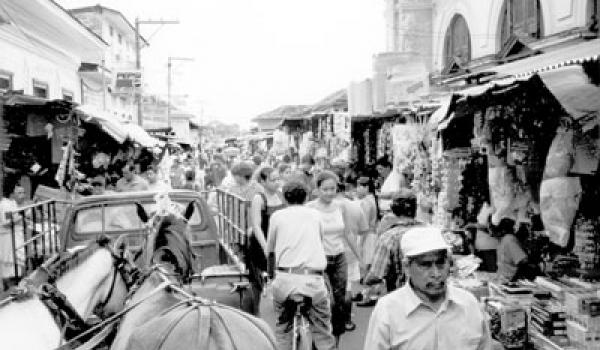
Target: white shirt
[332,219]
[401,321]
[295,237]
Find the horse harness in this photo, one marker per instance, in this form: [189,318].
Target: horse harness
[67,319]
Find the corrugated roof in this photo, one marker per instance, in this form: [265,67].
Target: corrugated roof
[552,59]
[282,112]
[336,101]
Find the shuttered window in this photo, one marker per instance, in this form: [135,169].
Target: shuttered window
[457,48]
[523,19]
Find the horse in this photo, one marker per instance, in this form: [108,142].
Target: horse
[161,302]
[54,303]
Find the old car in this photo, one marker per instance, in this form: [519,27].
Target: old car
[218,273]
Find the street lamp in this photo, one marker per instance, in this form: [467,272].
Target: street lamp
[169,64]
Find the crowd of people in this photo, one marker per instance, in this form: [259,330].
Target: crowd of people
[328,232]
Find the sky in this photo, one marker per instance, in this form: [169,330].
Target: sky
[252,56]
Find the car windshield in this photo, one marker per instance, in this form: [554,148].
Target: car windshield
[118,217]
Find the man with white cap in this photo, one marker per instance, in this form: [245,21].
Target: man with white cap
[426,313]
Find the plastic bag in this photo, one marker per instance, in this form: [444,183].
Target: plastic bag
[560,155]
[391,183]
[502,193]
[559,200]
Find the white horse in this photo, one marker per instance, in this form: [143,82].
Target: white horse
[95,280]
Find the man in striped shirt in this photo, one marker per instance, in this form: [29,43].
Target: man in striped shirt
[387,259]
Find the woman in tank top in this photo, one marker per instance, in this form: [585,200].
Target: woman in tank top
[264,204]
[335,237]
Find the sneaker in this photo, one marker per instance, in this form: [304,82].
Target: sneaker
[350,326]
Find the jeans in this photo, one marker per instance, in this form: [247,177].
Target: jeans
[319,314]
[337,273]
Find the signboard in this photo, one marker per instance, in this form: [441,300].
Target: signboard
[128,81]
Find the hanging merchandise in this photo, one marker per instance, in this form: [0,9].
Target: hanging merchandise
[63,166]
[475,189]
[587,247]
[560,155]
[586,154]
[559,200]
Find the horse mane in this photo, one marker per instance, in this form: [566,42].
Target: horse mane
[172,234]
[64,262]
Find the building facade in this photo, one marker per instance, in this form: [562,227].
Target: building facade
[114,86]
[42,48]
[468,33]
[431,45]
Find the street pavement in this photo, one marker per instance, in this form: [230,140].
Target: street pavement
[350,340]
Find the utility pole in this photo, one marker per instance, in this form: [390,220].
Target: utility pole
[169,65]
[138,56]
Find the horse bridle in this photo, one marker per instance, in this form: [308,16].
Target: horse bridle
[64,314]
[129,276]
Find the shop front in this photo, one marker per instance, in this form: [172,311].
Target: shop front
[519,157]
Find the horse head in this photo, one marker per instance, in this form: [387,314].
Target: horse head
[168,241]
[68,290]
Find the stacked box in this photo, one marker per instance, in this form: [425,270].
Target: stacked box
[581,337]
[548,317]
[583,318]
[508,323]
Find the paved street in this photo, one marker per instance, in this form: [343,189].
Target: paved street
[350,341]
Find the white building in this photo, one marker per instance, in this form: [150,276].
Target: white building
[436,44]
[42,48]
[110,88]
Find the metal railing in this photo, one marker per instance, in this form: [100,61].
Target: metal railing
[35,236]
[233,220]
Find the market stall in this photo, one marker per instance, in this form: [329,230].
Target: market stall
[36,131]
[530,147]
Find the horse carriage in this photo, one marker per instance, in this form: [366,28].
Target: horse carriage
[138,271]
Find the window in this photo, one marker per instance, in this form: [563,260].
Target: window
[120,39]
[111,31]
[6,81]
[40,89]
[119,218]
[67,95]
[457,45]
[521,19]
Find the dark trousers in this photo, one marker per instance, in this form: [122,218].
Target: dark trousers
[337,273]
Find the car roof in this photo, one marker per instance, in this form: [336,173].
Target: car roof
[143,196]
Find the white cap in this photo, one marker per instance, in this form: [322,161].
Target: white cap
[421,240]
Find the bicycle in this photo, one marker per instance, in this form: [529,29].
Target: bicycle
[301,335]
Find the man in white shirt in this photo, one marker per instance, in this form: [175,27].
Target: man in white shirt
[295,238]
[426,313]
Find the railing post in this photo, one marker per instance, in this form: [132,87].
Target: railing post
[14,244]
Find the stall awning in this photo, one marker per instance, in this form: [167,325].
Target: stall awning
[568,84]
[137,134]
[107,122]
[567,55]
